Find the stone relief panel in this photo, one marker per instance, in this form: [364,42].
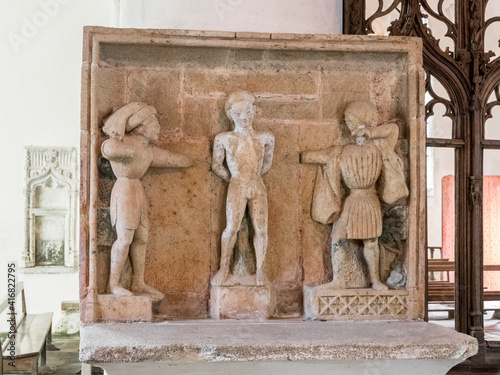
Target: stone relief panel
[302,89]
[51,207]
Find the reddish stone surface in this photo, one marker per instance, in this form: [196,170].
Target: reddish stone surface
[301,95]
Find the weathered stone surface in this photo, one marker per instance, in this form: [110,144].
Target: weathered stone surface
[242,301]
[124,308]
[284,252]
[260,83]
[110,90]
[291,340]
[200,114]
[183,304]
[289,110]
[337,94]
[157,55]
[187,75]
[248,55]
[159,89]
[106,234]
[252,35]
[337,367]
[177,261]
[325,302]
[287,297]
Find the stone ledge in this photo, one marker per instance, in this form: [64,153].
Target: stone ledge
[290,340]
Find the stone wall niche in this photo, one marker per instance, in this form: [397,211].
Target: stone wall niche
[51,208]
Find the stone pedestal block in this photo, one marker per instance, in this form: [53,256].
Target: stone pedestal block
[125,309]
[241,302]
[323,302]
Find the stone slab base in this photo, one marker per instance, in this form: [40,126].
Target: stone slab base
[361,367]
[323,302]
[113,308]
[289,346]
[241,302]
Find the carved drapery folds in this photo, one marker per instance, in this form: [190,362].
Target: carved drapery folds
[51,207]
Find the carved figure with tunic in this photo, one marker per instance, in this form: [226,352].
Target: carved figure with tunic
[352,181]
[132,130]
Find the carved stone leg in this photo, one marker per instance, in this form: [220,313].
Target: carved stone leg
[258,214]
[138,260]
[235,209]
[119,254]
[371,253]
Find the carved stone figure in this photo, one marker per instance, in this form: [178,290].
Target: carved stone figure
[248,154]
[371,172]
[132,129]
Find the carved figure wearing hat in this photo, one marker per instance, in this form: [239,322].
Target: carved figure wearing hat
[352,181]
[130,150]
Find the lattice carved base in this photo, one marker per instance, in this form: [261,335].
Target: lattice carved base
[325,303]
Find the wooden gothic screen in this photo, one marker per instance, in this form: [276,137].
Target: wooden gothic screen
[471,77]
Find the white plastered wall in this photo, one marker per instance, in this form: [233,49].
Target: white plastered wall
[41,44]
[271,16]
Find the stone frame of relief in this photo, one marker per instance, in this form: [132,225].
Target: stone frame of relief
[51,204]
[302,83]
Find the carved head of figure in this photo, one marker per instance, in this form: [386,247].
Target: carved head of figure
[134,118]
[240,108]
[359,115]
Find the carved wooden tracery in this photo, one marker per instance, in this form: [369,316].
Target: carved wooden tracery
[471,76]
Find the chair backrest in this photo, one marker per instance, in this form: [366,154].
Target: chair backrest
[5,303]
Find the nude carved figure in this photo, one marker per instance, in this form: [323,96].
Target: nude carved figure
[248,154]
[130,150]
